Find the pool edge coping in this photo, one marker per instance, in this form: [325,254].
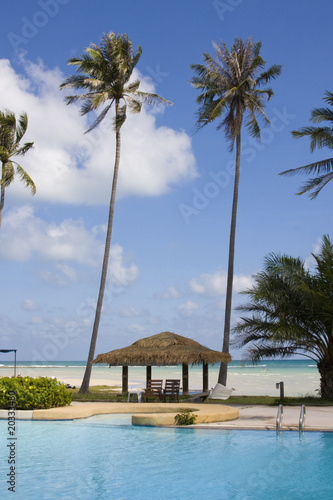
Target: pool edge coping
[214,421]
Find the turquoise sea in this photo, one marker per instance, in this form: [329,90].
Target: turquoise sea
[300,376]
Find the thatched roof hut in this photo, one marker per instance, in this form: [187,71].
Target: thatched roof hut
[164,349]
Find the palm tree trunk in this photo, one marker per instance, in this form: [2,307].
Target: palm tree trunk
[222,379]
[86,378]
[326,379]
[2,199]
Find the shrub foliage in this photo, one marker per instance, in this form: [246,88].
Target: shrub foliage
[185,417]
[27,393]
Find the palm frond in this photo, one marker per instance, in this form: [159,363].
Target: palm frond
[22,127]
[253,127]
[80,82]
[315,185]
[320,137]
[133,86]
[120,117]
[8,173]
[321,114]
[328,97]
[24,149]
[151,99]
[229,87]
[290,310]
[318,167]
[26,179]
[94,101]
[100,118]
[134,105]
[271,74]
[103,74]
[7,120]
[11,133]
[4,153]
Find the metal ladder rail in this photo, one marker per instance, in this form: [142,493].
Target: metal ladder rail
[302,418]
[279,418]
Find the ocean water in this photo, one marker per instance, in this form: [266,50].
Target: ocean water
[300,377]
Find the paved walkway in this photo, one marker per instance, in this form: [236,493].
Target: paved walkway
[319,418]
[155,414]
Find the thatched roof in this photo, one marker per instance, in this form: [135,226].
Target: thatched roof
[163,349]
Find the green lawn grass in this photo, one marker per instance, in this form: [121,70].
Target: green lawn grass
[113,394]
[99,393]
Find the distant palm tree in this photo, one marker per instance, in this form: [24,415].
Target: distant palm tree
[104,76]
[291,312]
[231,88]
[11,134]
[321,137]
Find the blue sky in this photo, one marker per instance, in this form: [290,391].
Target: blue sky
[171,228]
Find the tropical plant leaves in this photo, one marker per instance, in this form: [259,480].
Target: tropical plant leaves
[230,87]
[290,309]
[104,77]
[320,137]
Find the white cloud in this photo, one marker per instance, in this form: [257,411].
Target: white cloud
[68,271]
[310,261]
[129,312]
[30,305]
[187,309]
[23,235]
[119,274]
[215,284]
[9,330]
[135,328]
[71,167]
[60,276]
[170,293]
[36,320]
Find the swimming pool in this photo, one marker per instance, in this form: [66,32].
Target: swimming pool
[105,457]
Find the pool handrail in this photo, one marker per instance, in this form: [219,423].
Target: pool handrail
[302,418]
[279,418]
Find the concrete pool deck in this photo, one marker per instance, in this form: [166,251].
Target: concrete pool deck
[155,414]
[260,417]
[217,416]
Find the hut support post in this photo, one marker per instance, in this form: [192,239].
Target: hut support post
[205,377]
[148,375]
[185,378]
[125,379]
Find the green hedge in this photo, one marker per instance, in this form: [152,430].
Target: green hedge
[185,417]
[27,393]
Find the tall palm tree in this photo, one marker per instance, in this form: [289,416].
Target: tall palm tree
[291,312]
[321,137]
[11,134]
[231,90]
[104,74]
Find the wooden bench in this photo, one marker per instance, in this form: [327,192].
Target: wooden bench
[171,390]
[153,391]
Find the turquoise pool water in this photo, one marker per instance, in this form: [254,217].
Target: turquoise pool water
[105,457]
